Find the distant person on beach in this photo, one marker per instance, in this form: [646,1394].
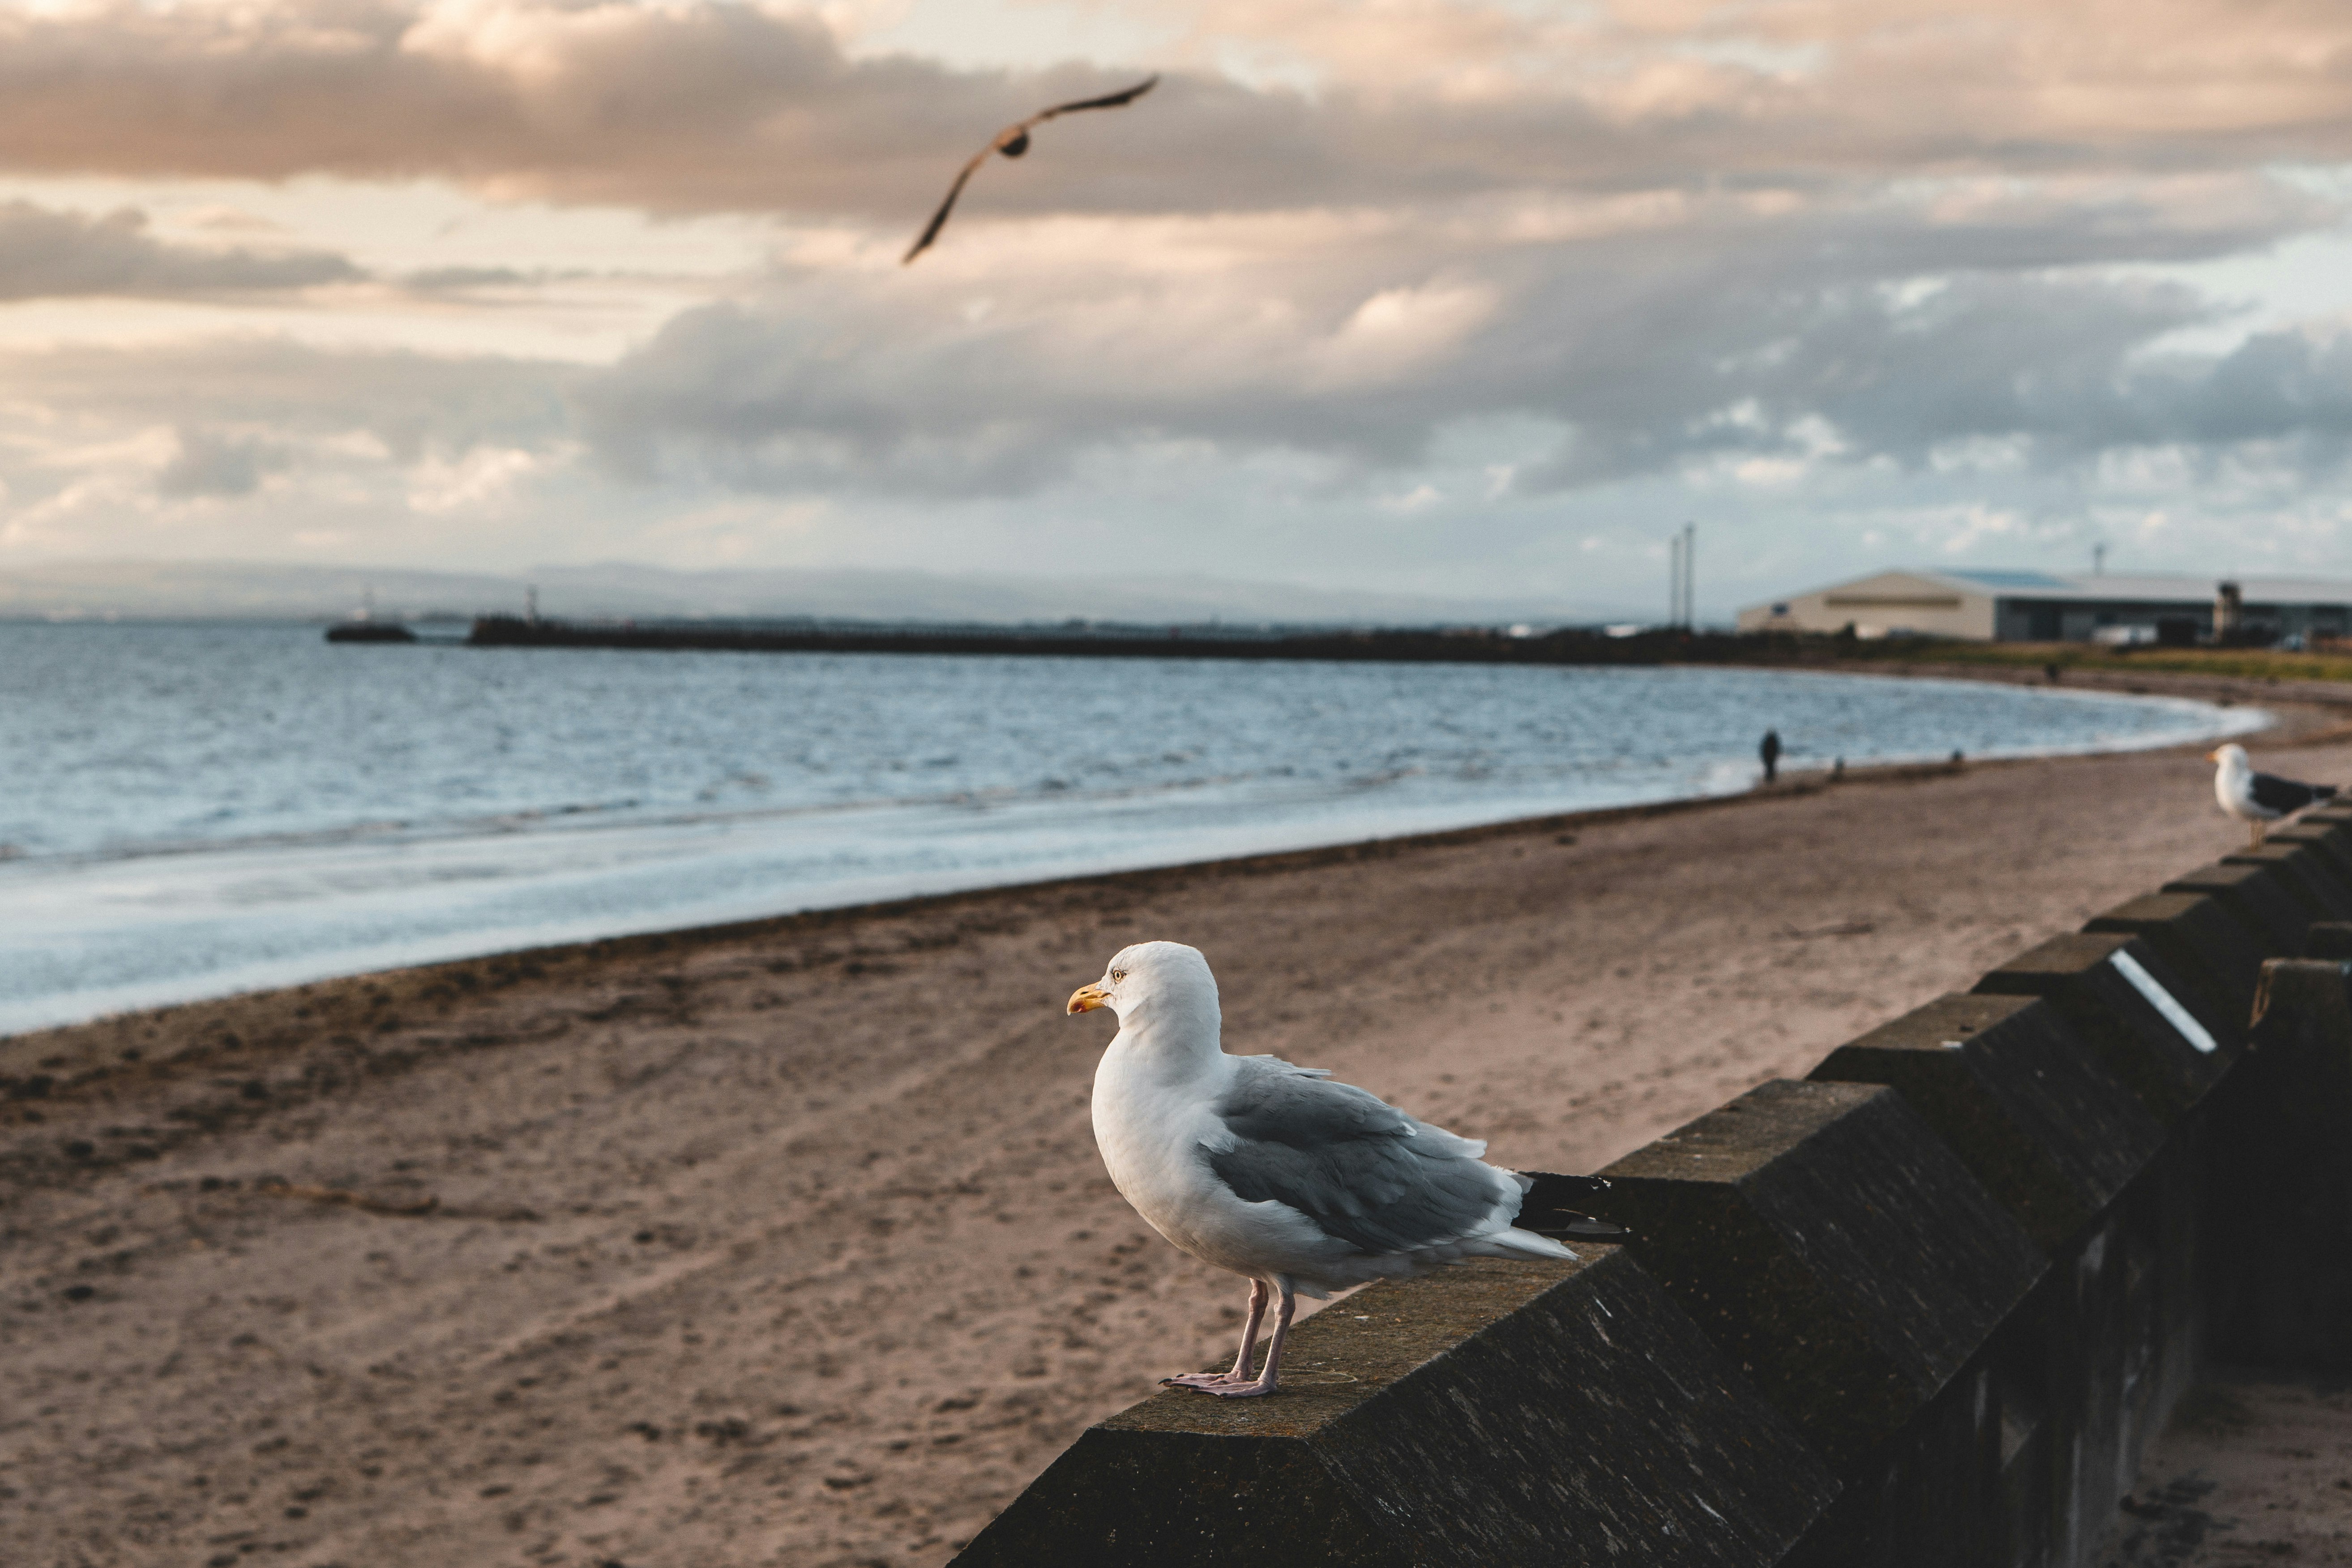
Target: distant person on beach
[1770,752]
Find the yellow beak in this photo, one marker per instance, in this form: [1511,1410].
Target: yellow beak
[2214,756]
[1087,998]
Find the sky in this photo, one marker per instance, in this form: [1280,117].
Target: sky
[1470,298]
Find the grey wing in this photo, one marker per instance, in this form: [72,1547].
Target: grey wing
[1364,1171]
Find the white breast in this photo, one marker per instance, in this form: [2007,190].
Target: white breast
[2234,788]
[2224,793]
[1153,1127]
[1150,1131]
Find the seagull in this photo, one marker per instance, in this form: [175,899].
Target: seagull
[2259,799]
[1279,1174]
[1012,141]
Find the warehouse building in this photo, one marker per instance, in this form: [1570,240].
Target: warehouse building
[2057,606]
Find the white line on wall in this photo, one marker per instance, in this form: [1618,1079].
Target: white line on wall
[2161,1000]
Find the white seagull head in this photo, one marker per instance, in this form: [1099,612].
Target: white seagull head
[1152,980]
[2232,757]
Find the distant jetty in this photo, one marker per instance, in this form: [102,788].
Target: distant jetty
[369,631]
[1448,645]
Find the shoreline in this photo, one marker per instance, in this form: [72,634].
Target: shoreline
[536,956]
[532,961]
[431,952]
[788,1240]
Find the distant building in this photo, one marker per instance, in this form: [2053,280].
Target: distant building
[2058,606]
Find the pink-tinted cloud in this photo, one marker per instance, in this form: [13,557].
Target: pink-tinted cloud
[699,106]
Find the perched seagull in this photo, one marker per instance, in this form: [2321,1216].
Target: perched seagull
[2258,799]
[1275,1172]
[1012,141]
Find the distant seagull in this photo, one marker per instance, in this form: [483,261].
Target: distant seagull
[1276,1174]
[1012,141]
[2258,799]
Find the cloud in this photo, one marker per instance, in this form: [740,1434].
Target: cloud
[701,106]
[688,107]
[406,405]
[211,463]
[1879,331]
[221,218]
[484,477]
[292,441]
[45,253]
[1351,279]
[464,279]
[284,449]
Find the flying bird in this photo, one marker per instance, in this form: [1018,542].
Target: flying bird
[1012,141]
[2259,799]
[1275,1172]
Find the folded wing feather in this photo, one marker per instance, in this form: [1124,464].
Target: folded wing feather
[1364,1171]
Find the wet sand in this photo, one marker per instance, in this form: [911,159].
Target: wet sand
[789,1243]
[2257,1467]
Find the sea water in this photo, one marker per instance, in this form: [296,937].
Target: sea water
[191,810]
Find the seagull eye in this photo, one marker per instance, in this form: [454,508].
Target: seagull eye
[1116,975]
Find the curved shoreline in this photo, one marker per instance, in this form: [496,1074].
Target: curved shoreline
[912,890]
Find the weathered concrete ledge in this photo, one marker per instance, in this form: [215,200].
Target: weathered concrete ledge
[1927,1307]
[2331,840]
[2306,875]
[2256,895]
[2332,823]
[2153,1032]
[2210,946]
[2054,1135]
[1828,1243]
[2290,1189]
[2328,939]
[1497,1414]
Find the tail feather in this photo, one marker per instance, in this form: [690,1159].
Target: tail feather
[1517,1243]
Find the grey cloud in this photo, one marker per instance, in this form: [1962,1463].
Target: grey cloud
[1758,364]
[1724,336]
[229,220]
[2062,365]
[2275,383]
[460,280]
[412,404]
[45,253]
[213,464]
[2059,364]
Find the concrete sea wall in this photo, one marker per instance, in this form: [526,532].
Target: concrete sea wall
[1467,645]
[1927,1306]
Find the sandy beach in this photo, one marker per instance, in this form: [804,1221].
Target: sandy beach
[788,1243]
[2257,1467]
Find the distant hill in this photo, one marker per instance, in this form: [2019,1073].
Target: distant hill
[219,590]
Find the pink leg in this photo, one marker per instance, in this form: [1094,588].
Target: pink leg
[1241,1373]
[1266,1381]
